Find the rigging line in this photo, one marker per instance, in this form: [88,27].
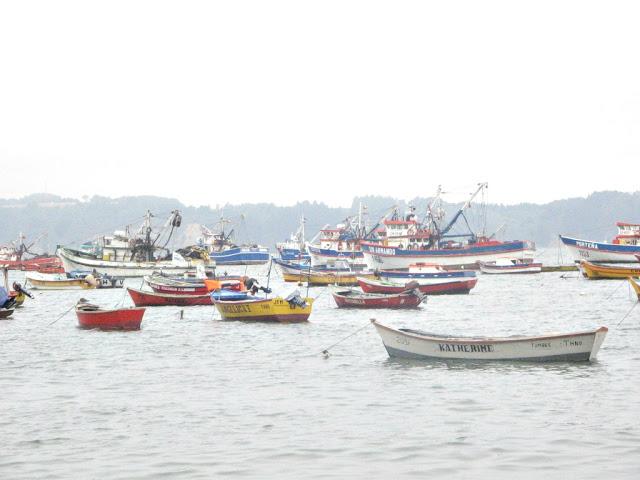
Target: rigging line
[627,314]
[67,311]
[325,352]
[615,290]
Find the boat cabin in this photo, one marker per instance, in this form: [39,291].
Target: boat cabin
[628,234]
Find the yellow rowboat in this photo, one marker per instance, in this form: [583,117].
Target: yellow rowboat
[59,281]
[266,309]
[594,271]
[322,278]
[636,287]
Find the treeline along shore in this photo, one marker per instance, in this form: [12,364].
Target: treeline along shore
[72,221]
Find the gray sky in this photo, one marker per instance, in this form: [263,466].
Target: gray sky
[215,102]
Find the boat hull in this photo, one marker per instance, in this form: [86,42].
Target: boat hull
[39,281]
[142,298]
[320,279]
[265,310]
[349,299]
[428,278]
[241,256]
[600,251]
[323,256]
[596,272]
[71,262]
[6,312]
[575,347]
[443,288]
[511,269]
[379,257]
[123,319]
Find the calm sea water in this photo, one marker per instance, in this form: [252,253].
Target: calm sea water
[195,397]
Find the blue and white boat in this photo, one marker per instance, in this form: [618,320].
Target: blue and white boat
[407,241]
[224,252]
[625,246]
[426,274]
[295,248]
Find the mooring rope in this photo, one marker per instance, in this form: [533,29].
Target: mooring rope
[325,352]
[67,311]
[627,314]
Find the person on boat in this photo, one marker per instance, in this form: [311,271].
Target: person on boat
[253,286]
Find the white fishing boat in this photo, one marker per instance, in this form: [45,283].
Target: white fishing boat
[131,255]
[340,243]
[625,246]
[506,266]
[573,347]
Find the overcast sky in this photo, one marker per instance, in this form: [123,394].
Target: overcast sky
[240,101]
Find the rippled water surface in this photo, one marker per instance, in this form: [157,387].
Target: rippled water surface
[195,397]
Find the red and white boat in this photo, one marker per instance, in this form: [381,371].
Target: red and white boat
[142,298]
[446,287]
[92,316]
[171,286]
[355,299]
[509,266]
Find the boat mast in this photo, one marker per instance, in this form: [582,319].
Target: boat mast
[446,229]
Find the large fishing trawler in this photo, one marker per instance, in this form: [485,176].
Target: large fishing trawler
[406,240]
[126,254]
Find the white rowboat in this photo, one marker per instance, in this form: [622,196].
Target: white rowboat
[561,347]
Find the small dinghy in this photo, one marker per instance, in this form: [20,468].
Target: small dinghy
[355,299]
[559,347]
[597,271]
[505,266]
[143,298]
[430,288]
[92,316]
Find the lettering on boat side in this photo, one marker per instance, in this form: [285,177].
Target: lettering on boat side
[382,250]
[236,309]
[402,340]
[581,243]
[572,343]
[455,347]
[540,344]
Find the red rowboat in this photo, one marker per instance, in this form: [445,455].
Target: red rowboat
[166,289]
[91,316]
[448,288]
[38,264]
[151,299]
[354,299]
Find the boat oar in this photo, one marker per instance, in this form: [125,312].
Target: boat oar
[67,311]
[325,352]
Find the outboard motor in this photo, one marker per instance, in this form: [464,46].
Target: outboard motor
[295,300]
[18,289]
